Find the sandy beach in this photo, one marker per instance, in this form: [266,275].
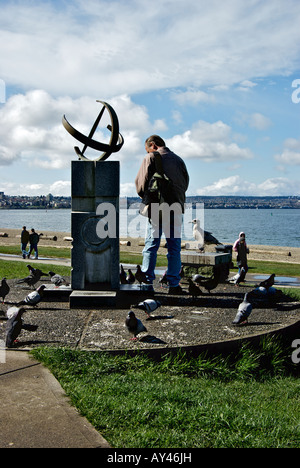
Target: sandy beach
[63,239]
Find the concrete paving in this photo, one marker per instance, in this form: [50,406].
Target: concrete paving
[35,411]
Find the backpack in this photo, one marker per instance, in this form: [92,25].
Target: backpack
[160,188]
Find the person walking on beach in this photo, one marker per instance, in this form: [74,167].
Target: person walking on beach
[34,240]
[240,247]
[24,241]
[175,169]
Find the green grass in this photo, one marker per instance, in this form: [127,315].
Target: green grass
[15,269]
[280,269]
[249,400]
[56,252]
[255,266]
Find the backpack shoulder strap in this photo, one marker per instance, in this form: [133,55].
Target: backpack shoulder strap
[158,162]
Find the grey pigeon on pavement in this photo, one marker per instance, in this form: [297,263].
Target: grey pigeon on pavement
[148,306]
[34,297]
[211,282]
[140,276]
[57,279]
[268,283]
[13,325]
[163,280]
[130,277]
[33,277]
[244,310]
[198,278]
[123,279]
[36,272]
[194,290]
[4,289]
[239,277]
[134,325]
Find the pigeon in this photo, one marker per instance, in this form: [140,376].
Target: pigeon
[57,279]
[36,272]
[4,289]
[33,277]
[239,277]
[30,280]
[163,280]
[134,325]
[148,305]
[210,283]
[260,292]
[140,276]
[34,297]
[203,236]
[13,325]
[268,282]
[123,279]
[130,277]
[198,278]
[244,310]
[194,290]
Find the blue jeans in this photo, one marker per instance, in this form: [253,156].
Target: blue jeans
[152,243]
[35,248]
[23,248]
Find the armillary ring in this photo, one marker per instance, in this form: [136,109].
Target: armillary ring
[116,140]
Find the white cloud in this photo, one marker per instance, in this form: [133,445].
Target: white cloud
[86,47]
[128,190]
[31,128]
[259,121]
[62,56]
[246,85]
[236,185]
[255,120]
[60,188]
[191,97]
[209,142]
[227,186]
[291,153]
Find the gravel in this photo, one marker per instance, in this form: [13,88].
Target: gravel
[180,321]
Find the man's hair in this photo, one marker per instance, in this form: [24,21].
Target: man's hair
[155,139]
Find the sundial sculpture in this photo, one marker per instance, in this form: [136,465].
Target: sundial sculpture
[95,216]
[116,140]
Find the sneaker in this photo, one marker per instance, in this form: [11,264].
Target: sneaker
[176,290]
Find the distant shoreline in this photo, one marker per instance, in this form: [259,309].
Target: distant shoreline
[50,202]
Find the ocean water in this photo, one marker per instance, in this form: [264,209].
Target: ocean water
[279,227]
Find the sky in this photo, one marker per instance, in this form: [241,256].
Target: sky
[218,80]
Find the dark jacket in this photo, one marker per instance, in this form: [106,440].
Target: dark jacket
[174,168]
[24,237]
[34,238]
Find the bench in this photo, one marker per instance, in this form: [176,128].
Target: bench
[216,260]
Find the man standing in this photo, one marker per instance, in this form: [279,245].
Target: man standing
[34,240]
[24,241]
[175,169]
